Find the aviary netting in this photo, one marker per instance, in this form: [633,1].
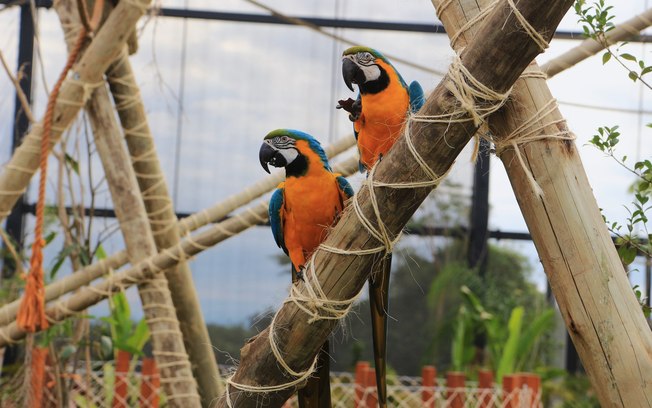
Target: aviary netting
[531,139]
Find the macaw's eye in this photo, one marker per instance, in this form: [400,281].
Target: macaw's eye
[364,58]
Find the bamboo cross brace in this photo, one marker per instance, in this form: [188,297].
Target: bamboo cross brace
[189,246]
[579,258]
[87,75]
[495,63]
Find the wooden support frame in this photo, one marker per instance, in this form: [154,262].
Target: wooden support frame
[496,63]
[163,222]
[595,298]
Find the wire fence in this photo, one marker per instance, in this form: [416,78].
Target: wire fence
[104,384]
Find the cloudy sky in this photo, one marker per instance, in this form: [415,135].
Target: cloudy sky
[216,88]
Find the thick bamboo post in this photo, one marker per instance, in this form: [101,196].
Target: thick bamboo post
[578,256]
[590,47]
[87,74]
[167,342]
[497,62]
[163,221]
[88,296]
[130,211]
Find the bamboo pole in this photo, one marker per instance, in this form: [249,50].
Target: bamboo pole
[87,74]
[163,222]
[167,341]
[573,243]
[158,308]
[189,246]
[505,51]
[590,47]
[209,215]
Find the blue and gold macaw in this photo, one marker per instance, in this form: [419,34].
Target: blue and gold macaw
[300,212]
[378,115]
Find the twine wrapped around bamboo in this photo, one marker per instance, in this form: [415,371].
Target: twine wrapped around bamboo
[167,342]
[587,279]
[76,89]
[189,246]
[384,207]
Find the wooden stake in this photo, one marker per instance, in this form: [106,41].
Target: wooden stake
[580,260]
[497,62]
[163,221]
[167,341]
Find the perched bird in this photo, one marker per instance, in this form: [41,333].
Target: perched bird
[378,115]
[300,212]
[379,112]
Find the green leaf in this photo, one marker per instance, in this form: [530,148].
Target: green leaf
[74,164]
[628,57]
[139,337]
[627,254]
[633,76]
[507,361]
[67,351]
[531,334]
[99,253]
[606,57]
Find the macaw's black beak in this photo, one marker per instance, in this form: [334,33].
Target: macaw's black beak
[351,73]
[268,154]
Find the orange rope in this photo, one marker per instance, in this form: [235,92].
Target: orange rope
[37,380]
[31,315]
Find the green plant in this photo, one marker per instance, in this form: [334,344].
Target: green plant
[509,344]
[124,335]
[633,235]
[597,21]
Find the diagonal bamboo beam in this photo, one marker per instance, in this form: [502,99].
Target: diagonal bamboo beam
[163,221]
[87,74]
[590,47]
[88,296]
[595,298]
[497,62]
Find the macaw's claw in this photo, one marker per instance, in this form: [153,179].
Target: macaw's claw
[300,275]
[354,107]
[317,391]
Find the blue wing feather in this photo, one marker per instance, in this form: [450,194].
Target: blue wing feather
[275,206]
[345,187]
[417,97]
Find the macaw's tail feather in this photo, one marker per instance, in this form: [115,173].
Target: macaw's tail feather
[317,392]
[379,302]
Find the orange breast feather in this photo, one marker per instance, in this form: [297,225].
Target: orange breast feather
[310,204]
[383,116]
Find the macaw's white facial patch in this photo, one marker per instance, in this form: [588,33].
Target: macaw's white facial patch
[371,72]
[289,153]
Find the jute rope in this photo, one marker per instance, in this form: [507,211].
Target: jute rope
[476,101]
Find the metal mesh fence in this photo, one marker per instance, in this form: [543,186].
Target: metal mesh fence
[100,386]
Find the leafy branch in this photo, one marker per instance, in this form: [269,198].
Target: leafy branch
[596,21]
